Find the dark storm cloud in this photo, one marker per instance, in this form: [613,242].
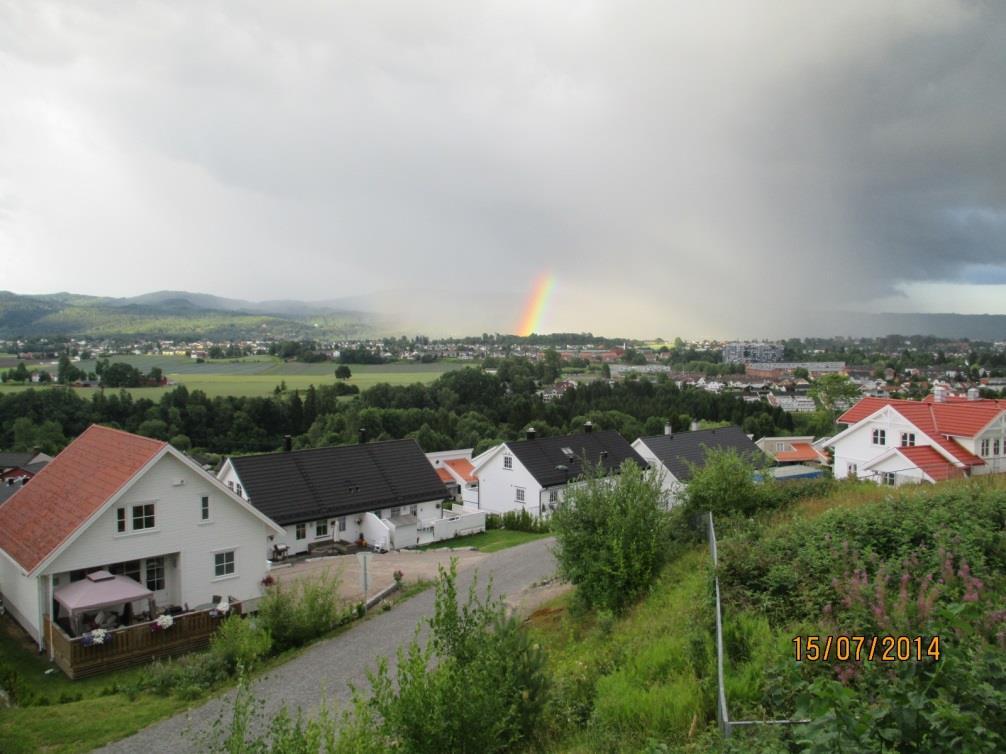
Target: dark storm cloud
[702,168]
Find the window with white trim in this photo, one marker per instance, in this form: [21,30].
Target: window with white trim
[239,490]
[143,517]
[342,523]
[120,520]
[321,528]
[907,439]
[223,563]
[507,462]
[880,437]
[519,492]
[995,447]
[553,496]
[887,478]
[301,531]
[204,508]
[985,447]
[853,470]
[780,447]
[130,568]
[155,573]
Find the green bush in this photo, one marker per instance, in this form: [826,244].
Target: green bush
[298,611]
[240,643]
[612,536]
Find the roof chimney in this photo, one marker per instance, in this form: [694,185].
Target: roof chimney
[973,394]
[287,443]
[939,394]
[668,429]
[363,435]
[693,427]
[588,427]
[529,433]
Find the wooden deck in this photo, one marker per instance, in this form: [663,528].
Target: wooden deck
[133,645]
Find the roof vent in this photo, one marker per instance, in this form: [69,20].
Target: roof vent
[529,433]
[668,429]
[973,394]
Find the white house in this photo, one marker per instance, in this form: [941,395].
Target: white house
[674,455]
[532,474]
[386,494]
[134,507]
[455,469]
[901,441]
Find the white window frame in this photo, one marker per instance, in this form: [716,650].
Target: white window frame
[233,552]
[204,510]
[519,495]
[852,470]
[508,462]
[158,561]
[342,523]
[414,510]
[318,525]
[908,439]
[300,531]
[888,478]
[879,436]
[995,447]
[121,523]
[985,446]
[553,495]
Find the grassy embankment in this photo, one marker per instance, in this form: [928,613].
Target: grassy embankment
[489,541]
[646,681]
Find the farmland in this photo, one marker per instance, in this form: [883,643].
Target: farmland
[255,376]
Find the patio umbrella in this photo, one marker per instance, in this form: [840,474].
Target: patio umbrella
[100,589]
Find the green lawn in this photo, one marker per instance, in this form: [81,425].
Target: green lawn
[489,541]
[259,375]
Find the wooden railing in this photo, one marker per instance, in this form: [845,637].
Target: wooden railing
[132,645]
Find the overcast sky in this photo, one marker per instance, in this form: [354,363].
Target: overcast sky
[693,168]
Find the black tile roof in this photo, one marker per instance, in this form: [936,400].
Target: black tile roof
[678,450]
[307,485]
[542,455]
[11,460]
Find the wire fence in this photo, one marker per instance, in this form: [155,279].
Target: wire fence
[722,709]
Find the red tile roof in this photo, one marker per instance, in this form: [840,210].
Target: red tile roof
[802,451]
[956,417]
[445,476]
[931,462]
[463,468]
[72,487]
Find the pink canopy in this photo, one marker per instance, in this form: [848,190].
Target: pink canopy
[98,590]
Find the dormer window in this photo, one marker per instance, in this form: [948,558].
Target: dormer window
[907,439]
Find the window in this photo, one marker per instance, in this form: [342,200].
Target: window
[120,520]
[230,485]
[520,494]
[301,531]
[223,563]
[342,523]
[395,513]
[414,510]
[204,509]
[985,447]
[907,439]
[553,496]
[155,574]
[887,478]
[321,529]
[237,489]
[995,447]
[880,437]
[130,568]
[507,462]
[853,470]
[780,447]
[143,516]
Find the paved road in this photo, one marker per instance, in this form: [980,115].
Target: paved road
[325,670]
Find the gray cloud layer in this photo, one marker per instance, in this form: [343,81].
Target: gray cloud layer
[687,168]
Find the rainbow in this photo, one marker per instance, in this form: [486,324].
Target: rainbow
[534,311]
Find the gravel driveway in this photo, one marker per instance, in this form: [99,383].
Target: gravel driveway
[324,671]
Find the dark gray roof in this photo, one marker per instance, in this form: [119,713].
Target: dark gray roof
[677,451]
[542,455]
[10,460]
[307,485]
[7,490]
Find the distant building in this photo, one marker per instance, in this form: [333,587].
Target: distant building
[745,352]
[780,369]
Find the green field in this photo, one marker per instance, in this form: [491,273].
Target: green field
[256,375]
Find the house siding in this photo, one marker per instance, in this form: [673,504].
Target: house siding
[498,485]
[858,448]
[21,596]
[180,534]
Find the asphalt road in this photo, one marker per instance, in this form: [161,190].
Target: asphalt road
[323,673]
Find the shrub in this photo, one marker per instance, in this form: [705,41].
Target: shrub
[521,520]
[239,643]
[295,612]
[612,536]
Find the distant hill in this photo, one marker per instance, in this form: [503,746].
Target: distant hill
[990,327]
[177,315]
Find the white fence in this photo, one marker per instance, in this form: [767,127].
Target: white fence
[451,525]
